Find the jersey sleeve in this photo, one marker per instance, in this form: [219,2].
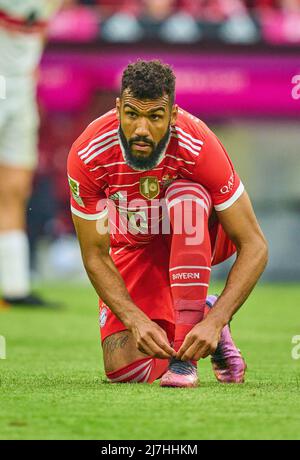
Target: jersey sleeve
[215,171]
[88,198]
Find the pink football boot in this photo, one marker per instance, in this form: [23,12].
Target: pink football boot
[227,362]
[181,374]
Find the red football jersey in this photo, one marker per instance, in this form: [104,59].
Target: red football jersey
[100,179]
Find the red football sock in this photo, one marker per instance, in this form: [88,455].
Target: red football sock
[189,207]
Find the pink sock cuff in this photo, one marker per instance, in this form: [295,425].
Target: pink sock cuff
[184,304]
[189,311]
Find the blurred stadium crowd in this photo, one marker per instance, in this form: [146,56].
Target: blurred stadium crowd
[179,21]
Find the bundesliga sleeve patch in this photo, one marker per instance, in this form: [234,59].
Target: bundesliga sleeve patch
[74,186]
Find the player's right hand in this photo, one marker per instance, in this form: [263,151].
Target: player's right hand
[151,339]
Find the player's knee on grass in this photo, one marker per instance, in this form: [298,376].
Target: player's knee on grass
[119,350]
[124,363]
[145,370]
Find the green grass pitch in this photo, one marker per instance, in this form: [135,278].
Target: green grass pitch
[52,384]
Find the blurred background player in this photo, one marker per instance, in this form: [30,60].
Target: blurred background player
[23,26]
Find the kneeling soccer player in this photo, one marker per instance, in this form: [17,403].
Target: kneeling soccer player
[156,202]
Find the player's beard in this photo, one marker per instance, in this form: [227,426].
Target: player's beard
[140,163]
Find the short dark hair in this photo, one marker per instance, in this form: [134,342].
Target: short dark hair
[149,80]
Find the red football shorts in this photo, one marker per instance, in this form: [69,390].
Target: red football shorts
[145,271]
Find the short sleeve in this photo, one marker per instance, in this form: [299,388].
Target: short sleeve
[215,171]
[87,195]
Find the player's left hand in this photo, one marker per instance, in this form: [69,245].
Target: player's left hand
[200,342]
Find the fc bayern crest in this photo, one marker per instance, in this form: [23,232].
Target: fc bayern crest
[149,187]
[103,317]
